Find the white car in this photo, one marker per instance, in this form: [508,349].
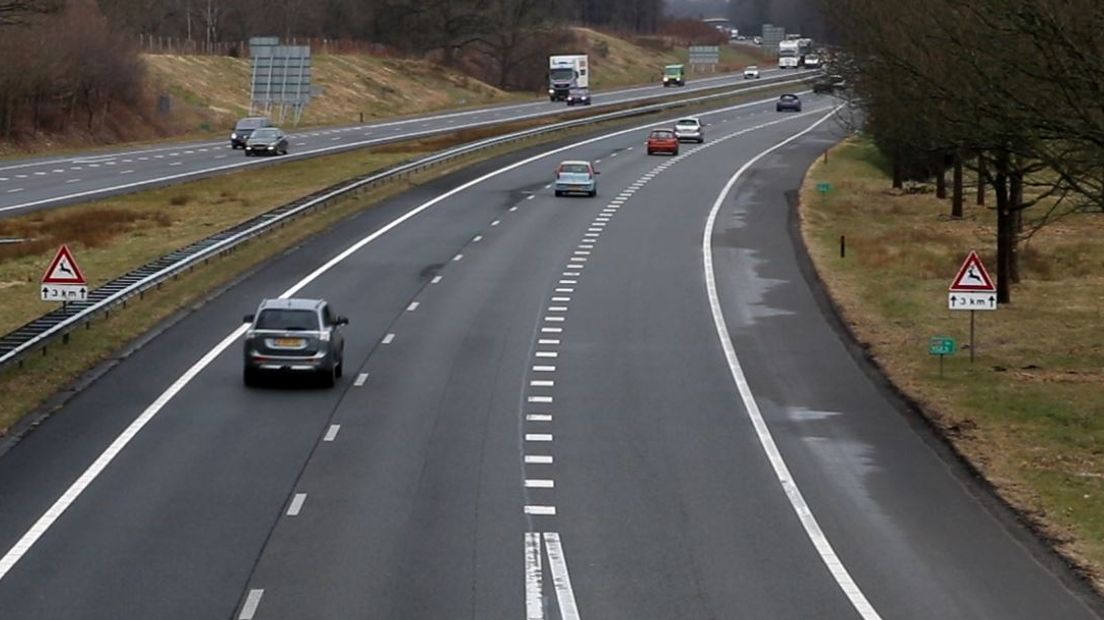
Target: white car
[752,72]
[689,129]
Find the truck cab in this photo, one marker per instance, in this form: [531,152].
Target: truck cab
[566,72]
[674,75]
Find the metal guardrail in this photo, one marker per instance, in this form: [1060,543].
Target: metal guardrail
[48,328]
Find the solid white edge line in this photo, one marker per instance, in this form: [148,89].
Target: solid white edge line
[252,601]
[766,440]
[44,522]
[561,581]
[534,598]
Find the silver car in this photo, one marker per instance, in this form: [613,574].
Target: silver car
[689,129]
[296,337]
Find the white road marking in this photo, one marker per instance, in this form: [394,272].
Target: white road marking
[73,181]
[540,511]
[496,222]
[361,379]
[331,433]
[221,156]
[436,279]
[296,504]
[552,330]
[572,274]
[565,289]
[513,208]
[21,176]
[40,174]
[60,170]
[538,417]
[545,437]
[561,299]
[531,197]
[413,306]
[592,235]
[569,281]
[544,369]
[457,257]
[388,339]
[534,599]
[177,163]
[546,354]
[540,399]
[554,319]
[74,491]
[538,459]
[561,581]
[542,383]
[16,190]
[127,172]
[557,308]
[766,439]
[251,603]
[477,239]
[539,483]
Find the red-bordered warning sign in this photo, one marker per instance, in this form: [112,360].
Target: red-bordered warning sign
[972,277]
[63,269]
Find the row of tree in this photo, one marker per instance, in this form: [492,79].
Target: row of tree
[1010,89]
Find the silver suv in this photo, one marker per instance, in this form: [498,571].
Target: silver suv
[295,336]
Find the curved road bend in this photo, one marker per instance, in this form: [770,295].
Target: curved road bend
[538,421]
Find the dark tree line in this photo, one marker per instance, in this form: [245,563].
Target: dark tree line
[1010,89]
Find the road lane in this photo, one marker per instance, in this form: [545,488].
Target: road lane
[53,181]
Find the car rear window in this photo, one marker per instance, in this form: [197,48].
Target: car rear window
[687,121]
[574,168]
[290,320]
[662,134]
[265,133]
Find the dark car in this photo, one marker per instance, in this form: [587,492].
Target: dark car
[244,128]
[267,141]
[579,96]
[295,337]
[788,102]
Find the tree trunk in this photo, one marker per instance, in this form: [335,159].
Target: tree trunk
[941,179]
[981,180]
[1006,232]
[956,200]
[1015,199]
[898,171]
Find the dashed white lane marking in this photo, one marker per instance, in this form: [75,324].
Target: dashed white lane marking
[221,156]
[147,158]
[73,181]
[436,279]
[126,172]
[413,306]
[544,369]
[557,308]
[542,383]
[16,190]
[592,235]
[538,459]
[534,598]
[177,163]
[296,504]
[565,289]
[540,511]
[361,379]
[496,222]
[539,483]
[331,433]
[561,299]
[513,208]
[60,170]
[548,341]
[388,339]
[40,174]
[552,330]
[21,176]
[531,197]
[542,437]
[538,417]
[546,354]
[251,602]
[3,178]
[565,596]
[457,257]
[766,439]
[477,239]
[554,319]
[569,281]
[540,399]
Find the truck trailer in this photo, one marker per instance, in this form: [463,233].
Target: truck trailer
[565,72]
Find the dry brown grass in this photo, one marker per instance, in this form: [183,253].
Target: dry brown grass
[1030,412]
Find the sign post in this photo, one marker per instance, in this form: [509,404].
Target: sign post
[63,280]
[941,346]
[973,290]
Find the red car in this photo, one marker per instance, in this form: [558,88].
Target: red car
[663,141]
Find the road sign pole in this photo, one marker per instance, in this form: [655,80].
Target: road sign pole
[971,336]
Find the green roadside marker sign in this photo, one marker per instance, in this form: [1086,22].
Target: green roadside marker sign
[824,188]
[941,345]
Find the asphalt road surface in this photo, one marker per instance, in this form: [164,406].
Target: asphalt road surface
[553,408]
[37,183]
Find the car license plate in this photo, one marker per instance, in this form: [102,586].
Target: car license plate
[289,342]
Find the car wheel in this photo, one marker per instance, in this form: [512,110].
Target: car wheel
[250,377]
[674,153]
[558,193]
[651,152]
[340,368]
[328,378]
[592,193]
[701,140]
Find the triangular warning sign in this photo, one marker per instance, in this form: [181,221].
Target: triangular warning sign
[63,269]
[972,276]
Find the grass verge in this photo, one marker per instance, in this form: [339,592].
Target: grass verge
[1029,412]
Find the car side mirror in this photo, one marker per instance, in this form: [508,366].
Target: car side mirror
[597,172]
[341,320]
[248,318]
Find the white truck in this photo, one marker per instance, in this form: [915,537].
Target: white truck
[566,72]
[788,54]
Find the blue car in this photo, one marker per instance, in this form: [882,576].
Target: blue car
[576,177]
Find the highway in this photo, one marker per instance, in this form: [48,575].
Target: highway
[42,182]
[631,406]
